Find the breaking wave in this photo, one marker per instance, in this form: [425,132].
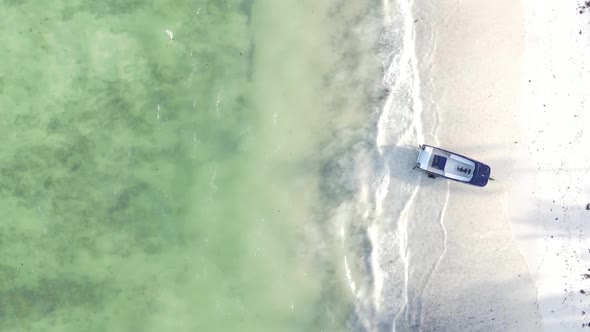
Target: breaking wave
[391,242]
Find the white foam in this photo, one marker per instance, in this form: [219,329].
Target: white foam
[399,126]
[402,232]
[441,222]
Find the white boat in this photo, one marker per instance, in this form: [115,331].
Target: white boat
[437,162]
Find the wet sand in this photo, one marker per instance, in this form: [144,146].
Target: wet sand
[471,70]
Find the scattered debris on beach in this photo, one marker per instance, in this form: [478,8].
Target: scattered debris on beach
[586,276]
[584,6]
[588,206]
[582,291]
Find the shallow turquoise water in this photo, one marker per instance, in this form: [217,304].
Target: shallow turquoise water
[158,184]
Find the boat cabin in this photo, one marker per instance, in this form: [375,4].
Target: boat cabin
[438,162]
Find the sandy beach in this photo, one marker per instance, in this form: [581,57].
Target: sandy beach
[507,84]
[548,203]
[471,72]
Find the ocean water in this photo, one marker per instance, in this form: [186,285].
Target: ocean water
[197,166]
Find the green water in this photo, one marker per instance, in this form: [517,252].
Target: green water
[157,184]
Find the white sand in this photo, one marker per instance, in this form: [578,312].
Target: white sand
[517,250]
[547,204]
[472,69]
[451,257]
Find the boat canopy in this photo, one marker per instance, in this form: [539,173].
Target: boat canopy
[443,163]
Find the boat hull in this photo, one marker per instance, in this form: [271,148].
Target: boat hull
[437,162]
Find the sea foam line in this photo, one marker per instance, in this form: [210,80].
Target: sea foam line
[402,231]
[372,233]
[406,66]
[441,221]
[410,46]
[400,124]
